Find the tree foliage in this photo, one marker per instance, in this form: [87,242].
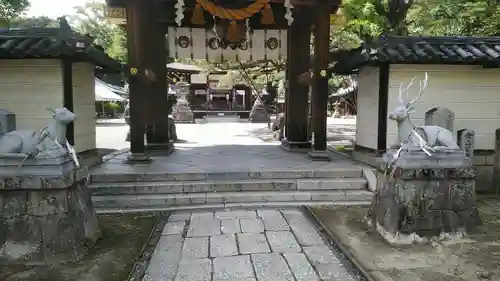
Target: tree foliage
[22,22]
[12,8]
[89,19]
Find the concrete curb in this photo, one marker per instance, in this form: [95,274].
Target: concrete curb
[335,242]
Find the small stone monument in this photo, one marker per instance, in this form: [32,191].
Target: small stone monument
[426,186]
[441,117]
[7,122]
[46,213]
[181,111]
[258,113]
[465,141]
[279,126]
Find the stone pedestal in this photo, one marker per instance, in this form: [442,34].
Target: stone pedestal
[46,213]
[182,113]
[426,196]
[258,114]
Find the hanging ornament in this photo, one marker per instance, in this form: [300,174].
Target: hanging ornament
[234,32]
[288,14]
[198,17]
[179,12]
[214,29]
[267,15]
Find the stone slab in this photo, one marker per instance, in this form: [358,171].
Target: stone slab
[165,259]
[24,179]
[235,214]
[223,245]
[179,216]
[300,267]
[321,255]
[194,270]
[271,267]
[176,227]
[306,234]
[204,227]
[195,248]
[233,268]
[251,225]
[282,242]
[253,243]
[230,226]
[273,220]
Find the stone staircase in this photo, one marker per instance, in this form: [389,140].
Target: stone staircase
[113,193]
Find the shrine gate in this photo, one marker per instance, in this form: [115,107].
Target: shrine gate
[237,30]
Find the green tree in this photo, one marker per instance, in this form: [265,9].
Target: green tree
[89,19]
[43,21]
[10,9]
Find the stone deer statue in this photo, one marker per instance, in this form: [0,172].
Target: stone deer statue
[28,142]
[426,138]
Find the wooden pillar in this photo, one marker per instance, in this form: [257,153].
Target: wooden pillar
[319,98]
[155,63]
[296,98]
[136,14]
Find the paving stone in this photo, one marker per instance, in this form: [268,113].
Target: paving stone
[271,267]
[306,235]
[195,248]
[300,266]
[282,242]
[253,243]
[165,259]
[194,270]
[273,220]
[233,269]
[334,272]
[179,216]
[251,225]
[201,215]
[176,227]
[319,255]
[204,227]
[223,245]
[230,226]
[235,214]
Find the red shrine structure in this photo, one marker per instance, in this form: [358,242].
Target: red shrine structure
[238,30]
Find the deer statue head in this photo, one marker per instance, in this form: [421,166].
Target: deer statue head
[404,108]
[62,115]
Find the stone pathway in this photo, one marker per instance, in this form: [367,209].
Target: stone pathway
[244,245]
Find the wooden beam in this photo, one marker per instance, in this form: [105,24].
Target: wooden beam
[305,78]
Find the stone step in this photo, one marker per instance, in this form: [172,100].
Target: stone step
[128,188]
[353,172]
[211,207]
[197,200]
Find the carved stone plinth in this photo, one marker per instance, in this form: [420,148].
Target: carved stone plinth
[426,196]
[182,113]
[258,113]
[46,213]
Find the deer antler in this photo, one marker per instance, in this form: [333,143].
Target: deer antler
[401,90]
[423,85]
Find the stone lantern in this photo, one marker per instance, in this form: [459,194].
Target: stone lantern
[181,111]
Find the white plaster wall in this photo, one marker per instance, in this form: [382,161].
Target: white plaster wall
[28,88]
[367,107]
[471,92]
[84,106]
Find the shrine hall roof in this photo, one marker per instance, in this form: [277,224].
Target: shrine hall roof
[47,43]
[483,51]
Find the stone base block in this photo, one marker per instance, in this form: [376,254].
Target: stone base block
[183,114]
[319,155]
[425,202]
[163,149]
[139,158]
[258,114]
[295,146]
[46,226]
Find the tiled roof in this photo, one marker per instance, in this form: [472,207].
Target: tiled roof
[52,43]
[423,50]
